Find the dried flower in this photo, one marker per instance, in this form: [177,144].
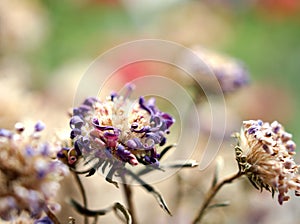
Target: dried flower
[265,154]
[117,131]
[28,175]
[230,72]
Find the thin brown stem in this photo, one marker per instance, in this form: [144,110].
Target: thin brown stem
[128,196]
[51,216]
[83,194]
[212,193]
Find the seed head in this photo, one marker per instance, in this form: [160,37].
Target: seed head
[117,131]
[28,175]
[230,72]
[265,154]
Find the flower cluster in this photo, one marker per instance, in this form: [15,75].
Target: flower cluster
[230,73]
[28,175]
[265,153]
[117,131]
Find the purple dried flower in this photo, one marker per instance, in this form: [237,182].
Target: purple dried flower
[39,126]
[265,153]
[230,72]
[29,176]
[117,131]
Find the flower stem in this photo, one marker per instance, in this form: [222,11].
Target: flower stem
[83,194]
[128,196]
[212,193]
[51,216]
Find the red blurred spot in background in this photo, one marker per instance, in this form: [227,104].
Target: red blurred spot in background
[280,7]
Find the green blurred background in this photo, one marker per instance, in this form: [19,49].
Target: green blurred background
[50,34]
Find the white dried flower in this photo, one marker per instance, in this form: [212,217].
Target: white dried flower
[265,154]
[28,175]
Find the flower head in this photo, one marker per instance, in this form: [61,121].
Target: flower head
[28,175]
[230,72]
[117,131]
[265,154]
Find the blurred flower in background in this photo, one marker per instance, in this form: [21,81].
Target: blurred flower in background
[23,26]
[29,177]
[230,73]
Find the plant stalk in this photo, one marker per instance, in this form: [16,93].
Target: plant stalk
[83,194]
[128,196]
[212,193]
[51,216]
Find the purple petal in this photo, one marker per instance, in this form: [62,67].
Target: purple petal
[39,126]
[29,151]
[5,133]
[131,144]
[90,101]
[44,220]
[252,130]
[168,119]
[84,108]
[143,106]
[154,136]
[76,122]
[78,147]
[152,161]
[74,133]
[113,95]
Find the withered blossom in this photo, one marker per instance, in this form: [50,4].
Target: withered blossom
[265,154]
[29,177]
[231,73]
[116,132]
